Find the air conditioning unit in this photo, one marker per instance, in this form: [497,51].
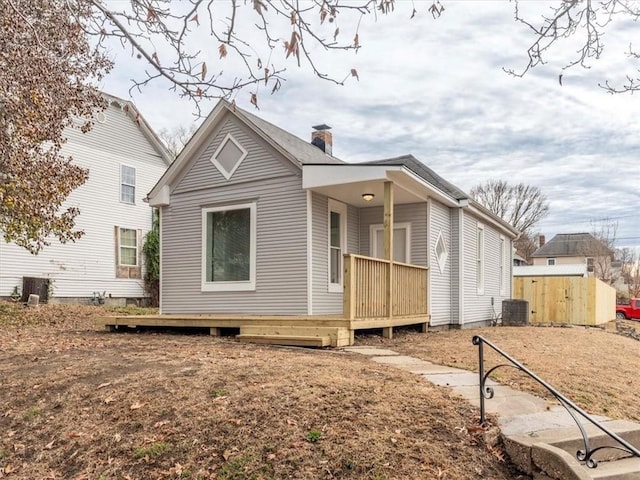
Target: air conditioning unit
[35,286]
[515,313]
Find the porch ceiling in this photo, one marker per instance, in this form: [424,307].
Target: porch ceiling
[351,193]
[347,183]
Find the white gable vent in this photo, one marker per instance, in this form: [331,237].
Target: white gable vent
[228,156]
[441,252]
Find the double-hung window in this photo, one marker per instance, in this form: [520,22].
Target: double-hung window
[128,247]
[337,243]
[127,184]
[229,248]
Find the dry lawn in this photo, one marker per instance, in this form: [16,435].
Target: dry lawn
[82,404]
[596,368]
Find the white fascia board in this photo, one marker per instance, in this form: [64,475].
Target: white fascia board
[314,176]
[433,191]
[161,197]
[502,226]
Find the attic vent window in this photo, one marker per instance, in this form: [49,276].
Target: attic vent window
[228,156]
[441,252]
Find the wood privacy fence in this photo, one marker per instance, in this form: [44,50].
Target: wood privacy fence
[375,288]
[566,300]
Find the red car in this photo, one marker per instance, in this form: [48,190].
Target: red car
[630,312]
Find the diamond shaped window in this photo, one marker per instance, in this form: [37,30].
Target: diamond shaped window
[228,156]
[441,252]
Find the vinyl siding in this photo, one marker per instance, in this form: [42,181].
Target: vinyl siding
[88,265]
[440,281]
[325,302]
[261,162]
[477,307]
[281,256]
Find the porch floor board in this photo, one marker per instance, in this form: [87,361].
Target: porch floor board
[217,321]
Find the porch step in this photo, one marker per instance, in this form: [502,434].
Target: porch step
[553,452]
[292,340]
[295,335]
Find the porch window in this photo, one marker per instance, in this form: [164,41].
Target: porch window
[480,259]
[401,241]
[229,248]
[337,243]
[551,261]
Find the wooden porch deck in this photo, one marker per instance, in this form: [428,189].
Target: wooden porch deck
[306,330]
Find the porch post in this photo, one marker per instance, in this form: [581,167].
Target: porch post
[388,242]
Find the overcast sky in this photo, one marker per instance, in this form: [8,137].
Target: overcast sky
[436,89]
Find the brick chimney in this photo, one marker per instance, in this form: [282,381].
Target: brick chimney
[321,138]
[541,240]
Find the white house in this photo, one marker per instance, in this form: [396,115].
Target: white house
[125,159]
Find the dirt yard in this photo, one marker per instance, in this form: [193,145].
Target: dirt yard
[82,404]
[596,368]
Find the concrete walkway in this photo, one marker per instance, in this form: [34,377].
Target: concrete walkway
[518,413]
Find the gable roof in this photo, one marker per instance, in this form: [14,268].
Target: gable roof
[424,172]
[134,114]
[572,245]
[304,152]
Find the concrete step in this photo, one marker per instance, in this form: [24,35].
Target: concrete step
[622,469]
[338,337]
[553,452]
[290,340]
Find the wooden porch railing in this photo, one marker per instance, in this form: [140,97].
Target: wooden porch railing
[368,293]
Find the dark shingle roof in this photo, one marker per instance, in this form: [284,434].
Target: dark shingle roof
[424,172]
[571,245]
[304,152]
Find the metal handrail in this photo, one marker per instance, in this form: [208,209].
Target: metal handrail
[586,455]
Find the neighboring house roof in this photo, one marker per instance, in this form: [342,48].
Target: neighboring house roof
[520,259]
[145,128]
[420,169]
[570,270]
[572,245]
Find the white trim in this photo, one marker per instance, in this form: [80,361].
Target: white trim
[374,228]
[429,231]
[442,263]
[230,286]
[502,263]
[228,138]
[480,258]
[341,208]
[309,253]
[135,175]
[161,222]
[461,260]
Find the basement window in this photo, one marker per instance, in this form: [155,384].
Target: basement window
[228,156]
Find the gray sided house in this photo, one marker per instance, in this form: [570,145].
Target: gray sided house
[258,222]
